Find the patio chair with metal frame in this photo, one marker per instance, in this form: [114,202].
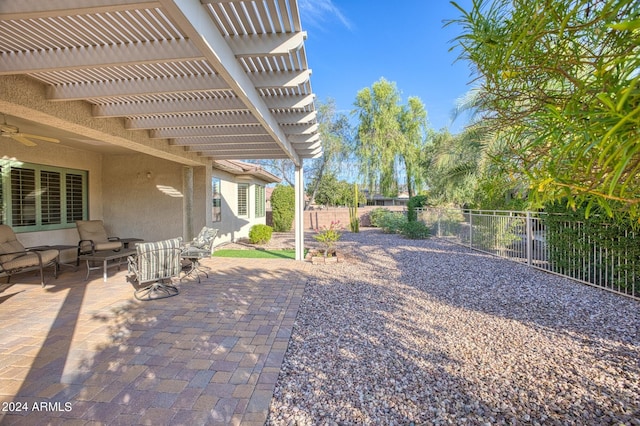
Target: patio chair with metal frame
[93,238]
[14,258]
[200,247]
[154,265]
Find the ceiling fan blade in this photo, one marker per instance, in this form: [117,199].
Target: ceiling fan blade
[23,140]
[42,138]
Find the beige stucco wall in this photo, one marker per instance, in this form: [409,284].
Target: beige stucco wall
[232,227]
[144,197]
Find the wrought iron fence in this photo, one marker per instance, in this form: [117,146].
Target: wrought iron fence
[536,239]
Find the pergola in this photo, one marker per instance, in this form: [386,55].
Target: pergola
[187,80]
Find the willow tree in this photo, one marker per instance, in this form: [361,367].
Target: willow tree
[560,83]
[389,137]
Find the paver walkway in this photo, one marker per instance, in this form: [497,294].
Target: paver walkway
[82,352]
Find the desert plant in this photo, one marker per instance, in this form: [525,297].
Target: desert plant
[260,234]
[283,207]
[329,235]
[354,220]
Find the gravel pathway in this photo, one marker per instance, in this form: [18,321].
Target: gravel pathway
[426,332]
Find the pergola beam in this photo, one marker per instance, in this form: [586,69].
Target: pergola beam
[276,80]
[228,146]
[137,87]
[300,129]
[168,107]
[154,122]
[206,131]
[37,9]
[98,56]
[296,117]
[293,101]
[266,44]
[296,139]
[213,140]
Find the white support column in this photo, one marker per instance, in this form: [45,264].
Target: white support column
[187,203]
[299,213]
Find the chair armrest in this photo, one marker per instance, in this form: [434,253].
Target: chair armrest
[80,243]
[113,238]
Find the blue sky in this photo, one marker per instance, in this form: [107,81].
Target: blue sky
[353,43]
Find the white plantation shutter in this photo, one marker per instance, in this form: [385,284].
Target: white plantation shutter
[243,199]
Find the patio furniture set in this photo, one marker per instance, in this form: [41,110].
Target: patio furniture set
[151,265]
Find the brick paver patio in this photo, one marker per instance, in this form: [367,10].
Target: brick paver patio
[81,352]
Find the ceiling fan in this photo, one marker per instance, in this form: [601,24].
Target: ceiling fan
[13,132]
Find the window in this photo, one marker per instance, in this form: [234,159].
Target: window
[35,197]
[260,201]
[243,199]
[216,210]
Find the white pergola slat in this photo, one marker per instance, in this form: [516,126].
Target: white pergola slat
[192,120]
[187,132]
[225,73]
[137,87]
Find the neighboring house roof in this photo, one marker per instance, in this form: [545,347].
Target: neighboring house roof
[240,168]
[180,80]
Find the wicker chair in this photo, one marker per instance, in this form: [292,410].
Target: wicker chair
[153,266]
[14,258]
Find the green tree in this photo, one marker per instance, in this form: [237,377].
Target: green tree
[452,167]
[283,207]
[389,137]
[467,169]
[334,192]
[335,133]
[560,87]
[326,190]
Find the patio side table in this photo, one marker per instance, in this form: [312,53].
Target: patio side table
[105,257]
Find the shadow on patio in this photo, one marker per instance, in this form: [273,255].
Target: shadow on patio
[90,351]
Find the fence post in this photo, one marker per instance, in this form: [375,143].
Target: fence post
[529,239]
[470,229]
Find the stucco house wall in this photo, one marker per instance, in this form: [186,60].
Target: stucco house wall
[233,227]
[144,197]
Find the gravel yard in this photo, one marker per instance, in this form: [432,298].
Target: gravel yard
[426,332]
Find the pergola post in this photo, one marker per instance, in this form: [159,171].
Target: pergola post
[299,213]
[187,203]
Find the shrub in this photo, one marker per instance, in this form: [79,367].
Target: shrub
[415,230]
[375,216]
[260,234]
[283,205]
[392,222]
[415,202]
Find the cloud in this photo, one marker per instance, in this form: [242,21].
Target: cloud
[318,13]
